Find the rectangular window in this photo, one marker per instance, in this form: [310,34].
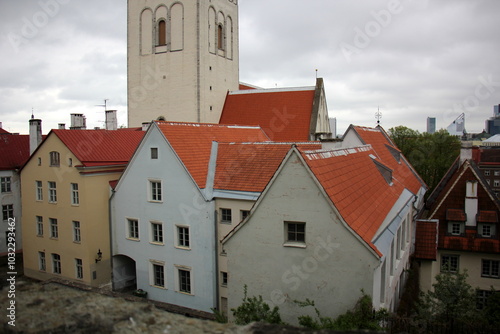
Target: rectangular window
[449,263]
[456,228]
[184,281]
[54,159]
[490,268]
[157,232]
[75,196]
[79,268]
[183,236]
[497,173]
[158,275]
[39,190]
[77,237]
[496,183]
[133,228]
[154,153]
[224,277]
[41,261]
[39,226]
[5,184]
[486,231]
[225,216]
[56,263]
[52,192]
[295,232]
[8,211]
[482,298]
[486,173]
[155,191]
[54,231]
[244,214]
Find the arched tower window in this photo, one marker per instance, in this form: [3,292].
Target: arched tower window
[220,37]
[162,33]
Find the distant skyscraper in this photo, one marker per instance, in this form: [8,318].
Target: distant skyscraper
[493,123]
[431,124]
[457,127]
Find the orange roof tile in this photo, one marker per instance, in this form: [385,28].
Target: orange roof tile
[193,142]
[284,114]
[426,240]
[100,147]
[487,216]
[14,151]
[456,215]
[250,166]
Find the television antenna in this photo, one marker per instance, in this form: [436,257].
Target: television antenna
[378,115]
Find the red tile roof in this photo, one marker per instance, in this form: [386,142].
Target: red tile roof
[250,166]
[193,142]
[14,151]
[244,86]
[426,240]
[486,216]
[284,114]
[100,147]
[3,131]
[456,215]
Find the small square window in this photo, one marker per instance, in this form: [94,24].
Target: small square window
[244,214]
[496,183]
[449,263]
[486,173]
[154,153]
[497,173]
[295,232]
[226,216]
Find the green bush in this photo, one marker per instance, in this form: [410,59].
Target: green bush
[254,309]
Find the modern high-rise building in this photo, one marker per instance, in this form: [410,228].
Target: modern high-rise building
[431,124]
[492,125]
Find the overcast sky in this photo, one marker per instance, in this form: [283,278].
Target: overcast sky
[411,58]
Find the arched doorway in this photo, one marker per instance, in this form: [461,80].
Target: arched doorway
[124,274]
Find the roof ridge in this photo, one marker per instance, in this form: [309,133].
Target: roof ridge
[211,125]
[329,153]
[272,90]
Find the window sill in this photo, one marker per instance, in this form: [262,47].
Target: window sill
[39,235]
[157,243]
[77,242]
[158,287]
[183,248]
[52,238]
[226,222]
[295,244]
[75,205]
[185,293]
[151,201]
[133,239]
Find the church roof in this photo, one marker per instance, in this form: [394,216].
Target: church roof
[284,114]
[193,142]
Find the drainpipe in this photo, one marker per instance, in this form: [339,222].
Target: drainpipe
[111,239]
[217,292]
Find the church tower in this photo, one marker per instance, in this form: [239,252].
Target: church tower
[182,59]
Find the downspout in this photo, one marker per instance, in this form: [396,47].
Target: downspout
[217,292]
[198,60]
[111,238]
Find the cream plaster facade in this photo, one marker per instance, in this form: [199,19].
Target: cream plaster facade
[92,213]
[183,73]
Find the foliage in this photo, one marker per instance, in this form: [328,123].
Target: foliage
[492,309]
[219,316]
[255,309]
[430,154]
[363,316]
[451,300]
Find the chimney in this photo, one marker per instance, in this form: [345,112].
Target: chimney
[471,202]
[465,152]
[111,120]
[62,126]
[1,125]
[35,134]
[145,126]
[78,122]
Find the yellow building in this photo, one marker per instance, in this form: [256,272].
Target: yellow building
[65,203]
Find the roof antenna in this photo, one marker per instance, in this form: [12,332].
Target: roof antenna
[103,105]
[316,73]
[378,115]
[32,115]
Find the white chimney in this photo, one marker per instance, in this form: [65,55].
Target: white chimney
[78,122]
[465,152]
[471,202]
[111,120]
[35,134]
[62,126]
[145,126]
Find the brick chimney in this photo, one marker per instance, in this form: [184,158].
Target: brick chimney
[35,133]
[471,202]
[111,120]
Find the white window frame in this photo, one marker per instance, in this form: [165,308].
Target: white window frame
[56,264]
[7,211]
[224,278]
[154,153]
[294,242]
[75,194]
[6,184]
[178,269]
[54,228]
[496,183]
[161,236]
[129,235]
[79,268]
[152,274]
[451,269]
[54,159]
[77,231]
[178,243]
[490,273]
[154,192]
[39,190]
[223,216]
[42,262]
[486,173]
[39,226]
[52,191]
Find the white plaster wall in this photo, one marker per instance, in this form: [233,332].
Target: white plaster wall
[182,204]
[182,81]
[14,198]
[331,270]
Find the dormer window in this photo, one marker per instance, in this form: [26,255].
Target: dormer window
[486,223]
[54,159]
[162,33]
[456,221]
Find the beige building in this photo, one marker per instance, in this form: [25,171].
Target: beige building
[65,196]
[182,59]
